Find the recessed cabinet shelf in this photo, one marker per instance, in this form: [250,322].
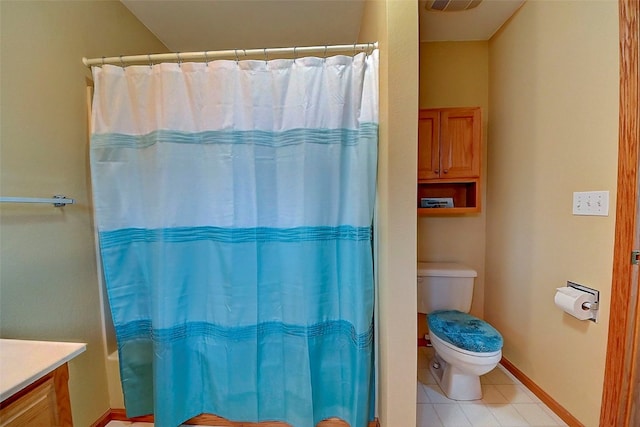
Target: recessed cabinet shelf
[449,160]
[464,195]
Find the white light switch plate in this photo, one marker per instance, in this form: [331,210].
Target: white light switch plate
[591,203]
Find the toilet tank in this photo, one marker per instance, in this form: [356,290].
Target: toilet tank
[445,286]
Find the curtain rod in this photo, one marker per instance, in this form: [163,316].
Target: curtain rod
[232,53]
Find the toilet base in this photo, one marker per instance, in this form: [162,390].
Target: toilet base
[456,384]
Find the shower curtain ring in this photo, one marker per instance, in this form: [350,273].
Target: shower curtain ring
[121,62]
[266,59]
[206,58]
[295,55]
[354,49]
[324,56]
[103,60]
[237,59]
[150,61]
[179,60]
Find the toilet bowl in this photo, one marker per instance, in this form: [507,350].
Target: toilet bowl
[457,369]
[465,346]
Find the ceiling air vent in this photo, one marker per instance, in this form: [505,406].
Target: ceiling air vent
[451,5]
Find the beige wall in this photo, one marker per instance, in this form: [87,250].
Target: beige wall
[48,284]
[394,23]
[553,130]
[456,74]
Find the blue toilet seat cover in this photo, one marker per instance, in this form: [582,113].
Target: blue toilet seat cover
[464,331]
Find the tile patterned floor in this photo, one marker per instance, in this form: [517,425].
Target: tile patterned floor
[505,402]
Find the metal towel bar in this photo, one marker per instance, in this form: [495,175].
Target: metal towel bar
[57,200]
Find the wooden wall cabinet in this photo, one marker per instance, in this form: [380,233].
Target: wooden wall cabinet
[449,158]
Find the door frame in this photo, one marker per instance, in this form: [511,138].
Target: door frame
[621,390]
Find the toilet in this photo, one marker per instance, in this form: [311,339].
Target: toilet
[465,346]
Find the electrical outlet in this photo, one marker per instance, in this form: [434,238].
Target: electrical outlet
[591,203]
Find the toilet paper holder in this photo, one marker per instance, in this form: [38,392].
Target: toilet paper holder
[592,306]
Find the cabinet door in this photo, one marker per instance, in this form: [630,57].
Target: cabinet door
[36,408]
[428,144]
[460,143]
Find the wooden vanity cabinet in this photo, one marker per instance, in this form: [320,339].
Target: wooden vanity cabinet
[33,382]
[449,158]
[44,403]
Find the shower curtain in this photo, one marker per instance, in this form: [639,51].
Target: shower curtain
[234,204]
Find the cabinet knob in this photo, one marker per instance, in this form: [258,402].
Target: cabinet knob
[437,171]
[446,170]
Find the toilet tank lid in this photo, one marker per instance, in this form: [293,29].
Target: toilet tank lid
[445,269]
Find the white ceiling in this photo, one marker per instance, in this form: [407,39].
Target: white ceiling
[195,25]
[479,23]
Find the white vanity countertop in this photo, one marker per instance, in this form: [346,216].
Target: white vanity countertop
[23,362]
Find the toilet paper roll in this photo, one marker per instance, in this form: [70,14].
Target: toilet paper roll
[570,300]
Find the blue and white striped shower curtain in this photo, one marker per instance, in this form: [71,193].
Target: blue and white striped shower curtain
[234,205]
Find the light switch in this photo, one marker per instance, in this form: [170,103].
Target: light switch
[594,203]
